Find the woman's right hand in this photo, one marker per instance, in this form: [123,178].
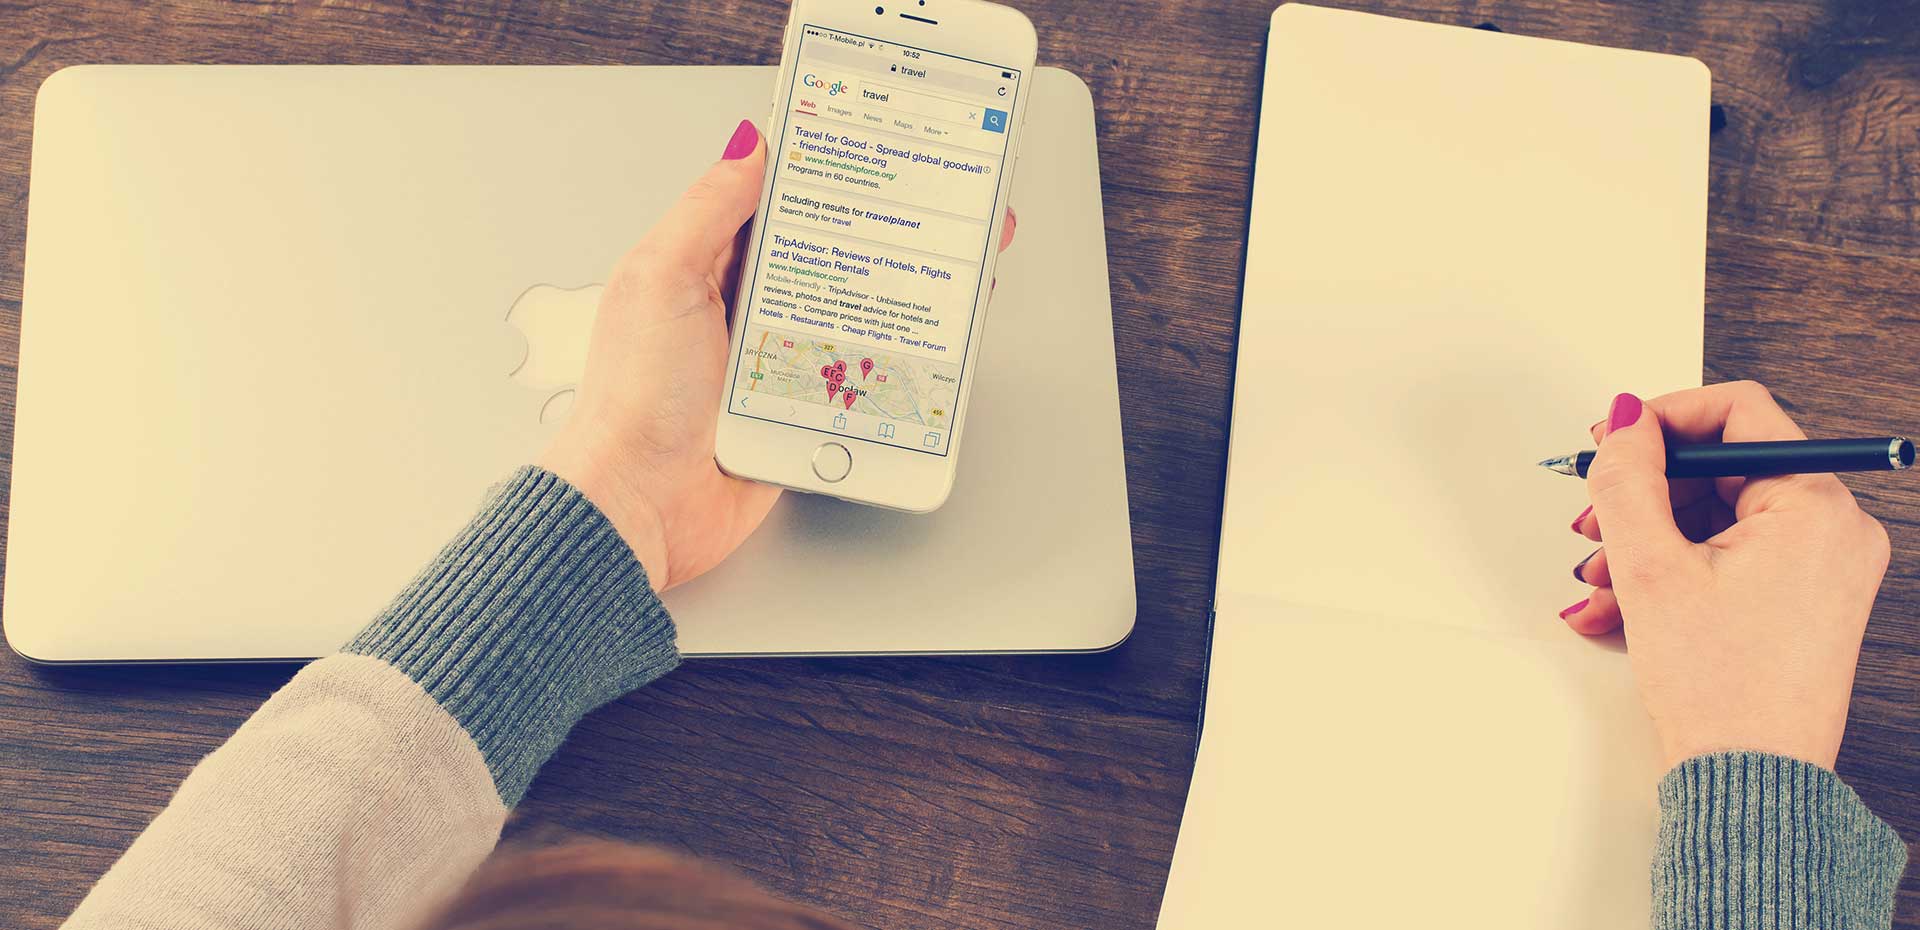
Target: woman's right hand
[1744,601]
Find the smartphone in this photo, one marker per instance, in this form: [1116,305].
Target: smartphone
[864,284]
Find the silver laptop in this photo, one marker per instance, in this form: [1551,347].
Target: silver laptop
[284,325]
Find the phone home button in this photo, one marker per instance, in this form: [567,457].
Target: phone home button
[832,461]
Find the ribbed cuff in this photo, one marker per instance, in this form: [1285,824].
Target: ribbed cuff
[534,615]
[1753,841]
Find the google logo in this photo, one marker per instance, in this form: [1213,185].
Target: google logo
[834,89]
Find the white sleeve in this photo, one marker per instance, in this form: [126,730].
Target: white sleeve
[350,800]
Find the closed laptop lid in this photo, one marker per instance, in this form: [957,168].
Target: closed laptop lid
[283,326]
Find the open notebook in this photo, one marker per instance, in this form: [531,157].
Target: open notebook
[1463,244]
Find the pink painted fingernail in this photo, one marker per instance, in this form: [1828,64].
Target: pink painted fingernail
[745,139]
[1624,413]
[1577,566]
[1570,611]
[1583,515]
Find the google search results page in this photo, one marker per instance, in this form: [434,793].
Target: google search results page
[862,295]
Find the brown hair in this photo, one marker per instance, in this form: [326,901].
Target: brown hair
[604,885]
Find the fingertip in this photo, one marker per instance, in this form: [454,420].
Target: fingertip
[1587,524]
[1575,607]
[1582,518]
[745,140]
[1594,616]
[1593,570]
[1625,411]
[1627,481]
[1007,229]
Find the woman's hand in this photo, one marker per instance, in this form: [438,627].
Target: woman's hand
[1744,600]
[638,441]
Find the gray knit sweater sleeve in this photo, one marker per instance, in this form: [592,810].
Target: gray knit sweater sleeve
[536,613]
[1752,841]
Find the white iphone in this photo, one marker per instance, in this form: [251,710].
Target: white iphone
[863,290]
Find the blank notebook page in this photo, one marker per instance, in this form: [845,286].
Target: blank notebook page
[1463,243]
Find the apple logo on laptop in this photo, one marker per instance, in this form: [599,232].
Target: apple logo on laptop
[557,324]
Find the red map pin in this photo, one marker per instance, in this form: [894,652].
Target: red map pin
[833,387]
[837,377]
[866,368]
[849,398]
[840,366]
[826,371]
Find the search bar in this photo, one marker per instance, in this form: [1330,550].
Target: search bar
[875,94]
[986,83]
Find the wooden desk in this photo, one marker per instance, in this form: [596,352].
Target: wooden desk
[1039,792]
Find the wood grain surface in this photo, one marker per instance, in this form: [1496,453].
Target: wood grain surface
[1038,792]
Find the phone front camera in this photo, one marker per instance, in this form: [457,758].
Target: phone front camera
[878,10]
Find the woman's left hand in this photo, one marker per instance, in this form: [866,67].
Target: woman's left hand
[638,441]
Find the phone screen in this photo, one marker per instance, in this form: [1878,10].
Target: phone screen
[862,291]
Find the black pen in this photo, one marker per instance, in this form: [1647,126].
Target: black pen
[1754,459]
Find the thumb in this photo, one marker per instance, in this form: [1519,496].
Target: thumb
[1628,484]
[706,218]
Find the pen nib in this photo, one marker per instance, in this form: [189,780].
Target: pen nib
[1560,463]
